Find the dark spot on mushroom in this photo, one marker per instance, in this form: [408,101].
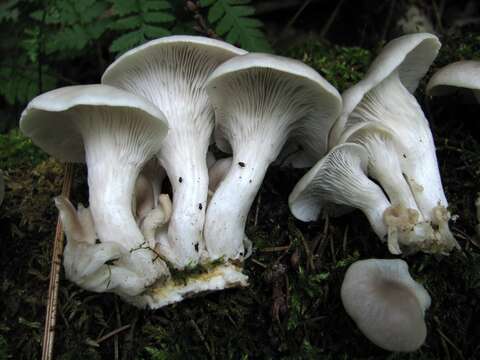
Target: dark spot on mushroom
[196,247]
[180,179]
[250,181]
[200,207]
[405,156]
[97,241]
[241,163]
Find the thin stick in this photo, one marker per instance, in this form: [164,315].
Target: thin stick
[51,317]
[330,20]
[257,210]
[113,333]
[275,249]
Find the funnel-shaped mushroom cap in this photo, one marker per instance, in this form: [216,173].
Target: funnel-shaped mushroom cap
[260,102]
[461,74]
[339,179]
[171,72]
[410,56]
[259,87]
[386,303]
[54,119]
[117,131]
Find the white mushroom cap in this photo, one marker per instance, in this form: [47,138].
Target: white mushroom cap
[256,71]
[339,179]
[60,135]
[409,55]
[118,132]
[171,72]
[260,102]
[384,97]
[385,302]
[461,74]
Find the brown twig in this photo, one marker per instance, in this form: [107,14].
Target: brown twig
[275,249]
[388,20]
[201,336]
[51,317]
[112,333]
[259,263]
[257,210]
[202,24]
[330,20]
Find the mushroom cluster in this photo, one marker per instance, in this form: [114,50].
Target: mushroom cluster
[161,105]
[153,117]
[462,77]
[382,158]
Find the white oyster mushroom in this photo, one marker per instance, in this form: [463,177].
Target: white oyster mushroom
[384,96]
[171,72]
[115,133]
[385,302]
[463,76]
[260,102]
[460,75]
[384,164]
[338,183]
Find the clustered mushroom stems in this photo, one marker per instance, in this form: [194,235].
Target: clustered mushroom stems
[115,149]
[184,160]
[340,179]
[259,102]
[391,104]
[256,125]
[384,165]
[172,76]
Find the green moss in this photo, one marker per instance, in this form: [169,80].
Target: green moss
[341,66]
[17,150]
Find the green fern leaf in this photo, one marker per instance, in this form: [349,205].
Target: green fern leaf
[8,11]
[155,5]
[233,21]
[145,19]
[127,41]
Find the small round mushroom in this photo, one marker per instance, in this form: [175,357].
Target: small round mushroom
[171,72]
[387,305]
[115,132]
[260,102]
[384,96]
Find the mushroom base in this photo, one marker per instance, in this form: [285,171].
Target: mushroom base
[161,294]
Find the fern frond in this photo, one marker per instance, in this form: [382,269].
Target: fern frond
[143,19]
[72,24]
[20,81]
[233,21]
[9,11]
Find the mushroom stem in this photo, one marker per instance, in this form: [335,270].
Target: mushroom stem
[228,209]
[184,159]
[384,164]
[111,183]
